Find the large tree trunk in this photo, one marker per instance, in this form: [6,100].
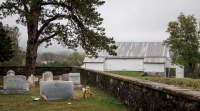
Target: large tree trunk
[31,55]
[32,47]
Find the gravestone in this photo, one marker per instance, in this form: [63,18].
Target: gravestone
[56,89]
[15,85]
[47,76]
[64,77]
[75,77]
[10,73]
[31,80]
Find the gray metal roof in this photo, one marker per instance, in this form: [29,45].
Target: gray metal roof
[99,59]
[137,50]
[154,60]
[153,52]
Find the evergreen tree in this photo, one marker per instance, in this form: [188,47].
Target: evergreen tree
[6,51]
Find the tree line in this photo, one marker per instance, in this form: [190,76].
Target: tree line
[60,59]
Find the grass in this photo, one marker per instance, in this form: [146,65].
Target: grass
[193,84]
[99,101]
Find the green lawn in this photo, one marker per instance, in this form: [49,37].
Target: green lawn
[99,101]
[189,83]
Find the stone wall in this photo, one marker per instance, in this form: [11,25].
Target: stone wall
[19,70]
[143,95]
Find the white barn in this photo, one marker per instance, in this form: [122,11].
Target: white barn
[150,57]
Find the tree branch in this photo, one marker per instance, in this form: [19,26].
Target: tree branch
[47,38]
[47,23]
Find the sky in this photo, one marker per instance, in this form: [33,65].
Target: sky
[131,20]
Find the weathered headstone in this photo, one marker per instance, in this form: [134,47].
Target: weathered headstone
[31,80]
[75,77]
[47,76]
[10,73]
[56,89]
[64,77]
[15,85]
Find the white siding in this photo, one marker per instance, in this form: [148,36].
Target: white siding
[179,70]
[154,68]
[124,64]
[94,66]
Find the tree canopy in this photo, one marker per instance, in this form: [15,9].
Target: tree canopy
[42,19]
[183,41]
[6,49]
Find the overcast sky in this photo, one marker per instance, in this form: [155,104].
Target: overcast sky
[132,20]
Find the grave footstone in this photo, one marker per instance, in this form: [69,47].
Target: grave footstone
[56,89]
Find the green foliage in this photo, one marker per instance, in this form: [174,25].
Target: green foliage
[60,59]
[75,59]
[19,54]
[183,41]
[6,45]
[82,25]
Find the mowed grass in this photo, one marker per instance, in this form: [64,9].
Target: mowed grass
[193,84]
[99,101]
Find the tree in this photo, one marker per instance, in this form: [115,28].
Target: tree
[183,41]
[6,51]
[19,55]
[49,57]
[41,17]
[75,59]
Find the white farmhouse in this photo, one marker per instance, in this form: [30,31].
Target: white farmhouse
[150,57]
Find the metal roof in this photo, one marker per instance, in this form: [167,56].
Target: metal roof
[137,50]
[154,60]
[99,59]
[152,52]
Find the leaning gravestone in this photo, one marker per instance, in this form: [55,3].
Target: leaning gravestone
[15,85]
[56,89]
[75,77]
[10,73]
